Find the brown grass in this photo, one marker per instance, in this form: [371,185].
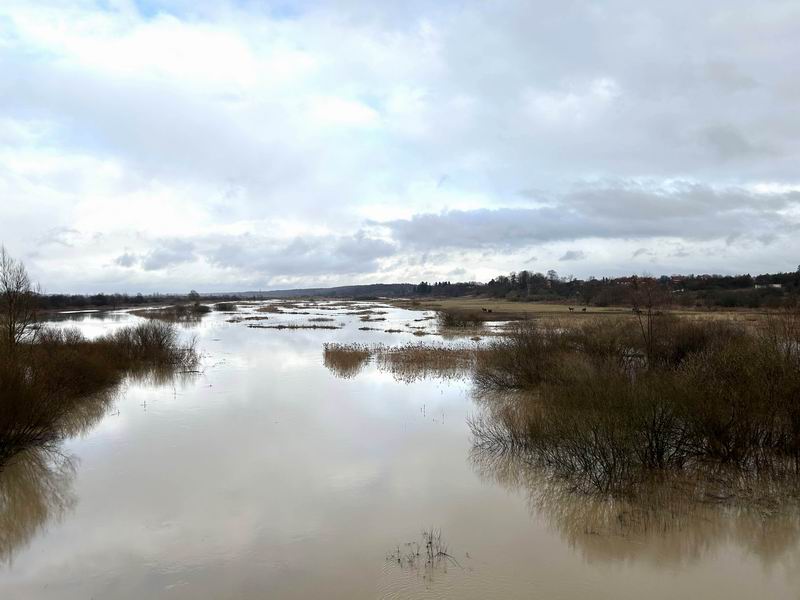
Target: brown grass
[293,326]
[185,314]
[346,360]
[406,363]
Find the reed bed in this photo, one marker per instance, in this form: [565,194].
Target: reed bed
[179,313]
[407,363]
[346,360]
[293,326]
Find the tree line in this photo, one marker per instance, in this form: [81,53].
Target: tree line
[765,290]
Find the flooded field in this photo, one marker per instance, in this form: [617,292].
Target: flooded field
[308,458]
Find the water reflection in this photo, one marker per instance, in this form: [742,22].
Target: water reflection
[407,363]
[271,476]
[669,519]
[35,488]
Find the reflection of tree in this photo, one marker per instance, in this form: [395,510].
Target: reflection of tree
[34,489]
[666,518]
[35,482]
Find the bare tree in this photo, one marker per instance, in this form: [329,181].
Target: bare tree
[647,297]
[17,301]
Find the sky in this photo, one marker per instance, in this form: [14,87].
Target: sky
[167,145]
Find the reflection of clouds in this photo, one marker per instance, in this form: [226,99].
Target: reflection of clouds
[667,520]
[35,488]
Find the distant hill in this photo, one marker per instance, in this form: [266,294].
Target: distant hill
[392,290]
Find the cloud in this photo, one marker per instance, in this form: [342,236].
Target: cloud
[168,254]
[687,211]
[573,255]
[126,260]
[231,143]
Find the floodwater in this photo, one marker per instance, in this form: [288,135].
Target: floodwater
[268,475]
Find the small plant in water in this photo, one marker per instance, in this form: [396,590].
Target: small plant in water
[426,556]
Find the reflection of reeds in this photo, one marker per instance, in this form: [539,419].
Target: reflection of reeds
[47,386]
[419,361]
[407,363]
[345,360]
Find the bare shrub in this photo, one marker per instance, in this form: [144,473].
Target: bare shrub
[226,307]
[453,319]
[47,386]
[17,302]
[703,393]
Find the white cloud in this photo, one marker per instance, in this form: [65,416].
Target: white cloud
[372,141]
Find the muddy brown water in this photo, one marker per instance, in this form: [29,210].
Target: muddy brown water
[268,476]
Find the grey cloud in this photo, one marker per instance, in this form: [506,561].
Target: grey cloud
[691,212]
[300,257]
[728,142]
[573,255]
[126,260]
[168,254]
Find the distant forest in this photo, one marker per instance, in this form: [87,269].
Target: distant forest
[769,290]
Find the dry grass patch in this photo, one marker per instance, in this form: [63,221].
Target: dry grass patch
[346,360]
[293,326]
[186,314]
[412,362]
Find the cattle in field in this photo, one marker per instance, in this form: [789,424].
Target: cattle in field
[583,309]
[571,309]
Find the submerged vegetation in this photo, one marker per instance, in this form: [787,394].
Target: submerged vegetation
[426,556]
[293,326]
[407,363]
[346,360]
[610,405]
[178,313]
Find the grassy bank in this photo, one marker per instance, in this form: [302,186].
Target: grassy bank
[493,309]
[46,385]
